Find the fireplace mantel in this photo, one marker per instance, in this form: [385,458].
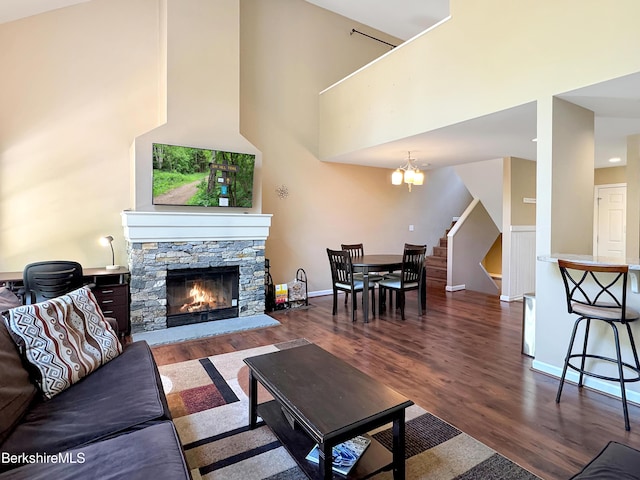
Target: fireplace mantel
[140,227]
[163,241]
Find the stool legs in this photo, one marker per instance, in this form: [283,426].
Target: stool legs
[566,359]
[621,376]
[618,361]
[584,351]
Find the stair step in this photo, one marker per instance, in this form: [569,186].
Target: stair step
[440,251]
[443,241]
[435,261]
[435,272]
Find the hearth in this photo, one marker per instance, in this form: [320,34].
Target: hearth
[202,294]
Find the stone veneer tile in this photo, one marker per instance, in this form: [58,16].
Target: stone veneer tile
[149,262]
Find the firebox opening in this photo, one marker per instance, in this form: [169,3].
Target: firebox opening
[197,295]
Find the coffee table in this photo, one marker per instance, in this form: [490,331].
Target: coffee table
[321,399]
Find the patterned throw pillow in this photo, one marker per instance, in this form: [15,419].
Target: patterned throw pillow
[65,339]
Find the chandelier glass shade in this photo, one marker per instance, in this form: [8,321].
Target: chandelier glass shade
[409,174]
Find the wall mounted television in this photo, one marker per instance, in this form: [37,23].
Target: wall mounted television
[189,176]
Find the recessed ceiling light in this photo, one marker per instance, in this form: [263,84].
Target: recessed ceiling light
[615,160]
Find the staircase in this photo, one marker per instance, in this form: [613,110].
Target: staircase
[436,264]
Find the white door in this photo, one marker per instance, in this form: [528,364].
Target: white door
[611,220]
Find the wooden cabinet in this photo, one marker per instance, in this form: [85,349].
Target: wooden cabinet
[112,293]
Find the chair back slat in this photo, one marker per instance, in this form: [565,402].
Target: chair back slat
[341,268]
[355,249]
[413,263]
[608,289]
[50,279]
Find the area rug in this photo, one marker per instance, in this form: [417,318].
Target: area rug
[208,400]
[205,329]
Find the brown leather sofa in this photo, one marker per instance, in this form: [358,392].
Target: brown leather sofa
[114,423]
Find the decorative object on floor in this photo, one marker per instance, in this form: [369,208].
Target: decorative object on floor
[205,329]
[409,174]
[108,241]
[209,403]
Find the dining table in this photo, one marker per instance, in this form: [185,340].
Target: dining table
[383,263]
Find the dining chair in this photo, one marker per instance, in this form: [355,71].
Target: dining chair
[599,293]
[411,278]
[397,274]
[357,250]
[342,280]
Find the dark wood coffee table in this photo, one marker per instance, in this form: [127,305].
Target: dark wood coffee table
[321,399]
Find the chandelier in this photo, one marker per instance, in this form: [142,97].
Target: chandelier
[408,174]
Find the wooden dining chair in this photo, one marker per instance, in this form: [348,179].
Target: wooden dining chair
[411,278]
[342,280]
[357,250]
[397,274]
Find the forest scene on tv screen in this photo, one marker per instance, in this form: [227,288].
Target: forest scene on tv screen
[201,177]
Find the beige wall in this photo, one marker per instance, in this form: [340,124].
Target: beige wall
[488,57]
[523,185]
[77,86]
[81,84]
[610,175]
[573,172]
[202,94]
[292,50]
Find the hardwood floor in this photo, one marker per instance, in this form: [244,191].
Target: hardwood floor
[461,362]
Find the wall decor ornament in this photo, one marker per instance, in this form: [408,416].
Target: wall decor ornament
[282,191]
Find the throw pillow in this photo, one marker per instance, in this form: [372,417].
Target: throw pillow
[64,339]
[16,390]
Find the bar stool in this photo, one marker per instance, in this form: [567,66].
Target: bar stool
[590,296]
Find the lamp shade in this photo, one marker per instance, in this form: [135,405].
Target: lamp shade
[408,175]
[418,177]
[396,177]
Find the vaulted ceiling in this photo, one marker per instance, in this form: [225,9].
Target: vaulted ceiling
[616,103]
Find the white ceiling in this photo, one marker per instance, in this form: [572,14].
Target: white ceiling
[616,103]
[403,19]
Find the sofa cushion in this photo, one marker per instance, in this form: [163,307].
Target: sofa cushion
[124,394]
[65,339]
[16,390]
[615,462]
[152,452]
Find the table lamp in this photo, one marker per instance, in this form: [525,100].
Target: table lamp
[108,240]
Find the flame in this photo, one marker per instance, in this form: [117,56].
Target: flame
[200,295]
[199,299]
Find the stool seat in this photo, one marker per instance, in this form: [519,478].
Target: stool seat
[598,292]
[610,312]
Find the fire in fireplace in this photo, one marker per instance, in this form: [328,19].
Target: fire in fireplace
[201,294]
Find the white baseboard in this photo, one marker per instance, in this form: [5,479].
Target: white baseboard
[320,293]
[507,298]
[610,388]
[454,288]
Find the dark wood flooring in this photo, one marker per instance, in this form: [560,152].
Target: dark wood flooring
[461,362]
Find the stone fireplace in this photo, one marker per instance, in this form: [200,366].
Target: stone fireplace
[184,243]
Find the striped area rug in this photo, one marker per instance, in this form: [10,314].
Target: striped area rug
[209,403]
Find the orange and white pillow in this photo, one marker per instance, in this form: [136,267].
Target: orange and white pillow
[64,339]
